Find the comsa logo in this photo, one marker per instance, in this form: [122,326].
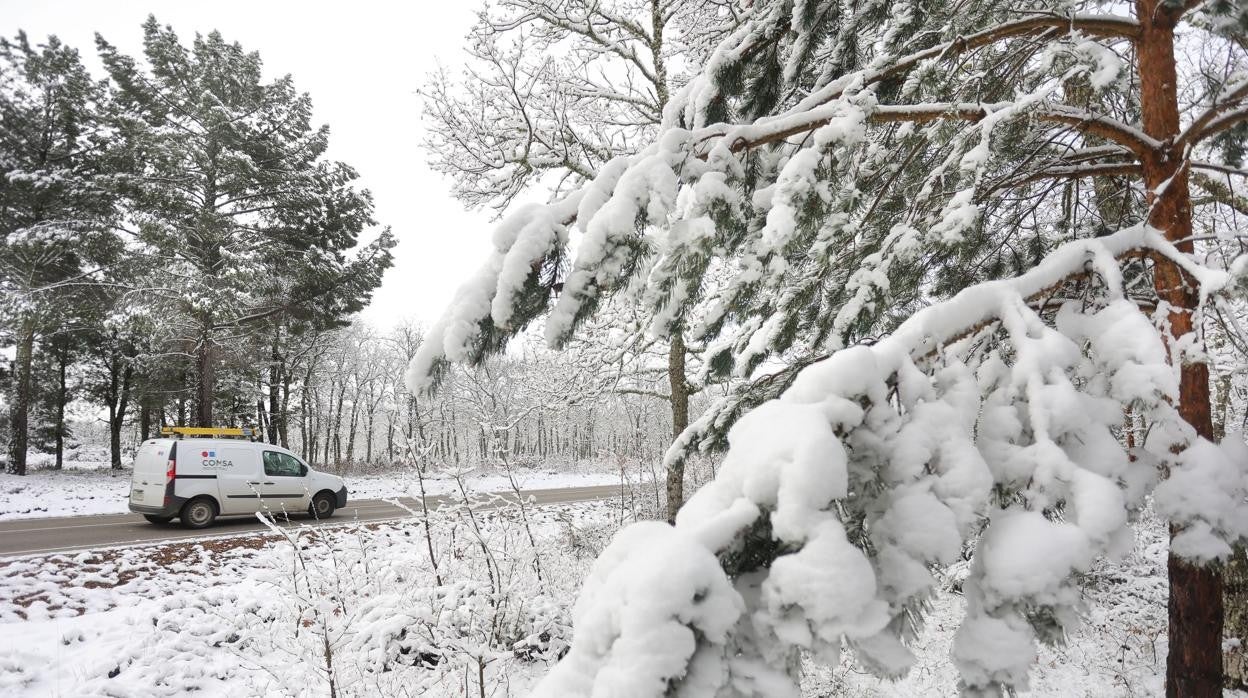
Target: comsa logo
[210,460]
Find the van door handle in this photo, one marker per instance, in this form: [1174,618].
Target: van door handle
[266,483]
[256,483]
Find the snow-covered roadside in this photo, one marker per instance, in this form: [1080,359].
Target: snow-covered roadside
[91,488]
[231,621]
[223,621]
[69,492]
[405,483]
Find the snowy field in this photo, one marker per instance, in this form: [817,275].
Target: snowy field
[258,619]
[88,486]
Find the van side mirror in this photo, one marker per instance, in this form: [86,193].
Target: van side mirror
[303,470]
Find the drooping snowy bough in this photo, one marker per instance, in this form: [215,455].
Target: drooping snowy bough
[993,422]
[933,186]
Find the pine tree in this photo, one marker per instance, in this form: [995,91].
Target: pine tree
[55,203]
[894,199]
[244,221]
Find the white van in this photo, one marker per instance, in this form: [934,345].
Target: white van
[197,480]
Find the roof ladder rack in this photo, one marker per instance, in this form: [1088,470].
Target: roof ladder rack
[208,432]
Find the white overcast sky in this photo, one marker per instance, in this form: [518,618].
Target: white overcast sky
[362,61]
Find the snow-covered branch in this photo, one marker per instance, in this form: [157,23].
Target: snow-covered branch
[1229,109]
[879,462]
[754,136]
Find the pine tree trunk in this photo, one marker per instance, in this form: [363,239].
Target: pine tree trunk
[115,418]
[1194,666]
[145,420]
[680,419]
[305,422]
[117,413]
[283,414]
[119,401]
[114,437]
[62,397]
[182,383]
[263,426]
[19,411]
[275,387]
[205,380]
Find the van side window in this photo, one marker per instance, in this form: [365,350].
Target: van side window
[281,465]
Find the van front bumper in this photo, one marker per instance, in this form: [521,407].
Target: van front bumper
[342,497]
[171,507]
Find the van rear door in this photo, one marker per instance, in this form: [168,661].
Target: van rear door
[151,474]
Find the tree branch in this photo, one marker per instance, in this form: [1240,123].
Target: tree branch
[1219,192]
[1104,25]
[1214,167]
[1133,139]
[1216,118]
[1108,169]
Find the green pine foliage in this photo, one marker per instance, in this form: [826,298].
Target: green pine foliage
[57,206]
[243,219]
[160,226]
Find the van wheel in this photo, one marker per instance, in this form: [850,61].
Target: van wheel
[156,519]
[199,513]
[322,506]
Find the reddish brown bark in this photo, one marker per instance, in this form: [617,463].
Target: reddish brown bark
[1194,666]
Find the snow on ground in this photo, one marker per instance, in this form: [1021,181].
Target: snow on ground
[82,487]
[159,620]
[406,484]
[254,620]
[220,619]
[88,486]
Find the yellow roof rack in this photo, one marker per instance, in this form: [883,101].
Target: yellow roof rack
[208,432]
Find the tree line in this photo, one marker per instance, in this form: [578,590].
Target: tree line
[166,232]
[340,400]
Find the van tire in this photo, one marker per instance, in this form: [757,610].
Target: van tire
[199,513]
[157,519]
[323,505]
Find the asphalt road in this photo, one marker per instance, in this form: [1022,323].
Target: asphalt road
[73,533]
